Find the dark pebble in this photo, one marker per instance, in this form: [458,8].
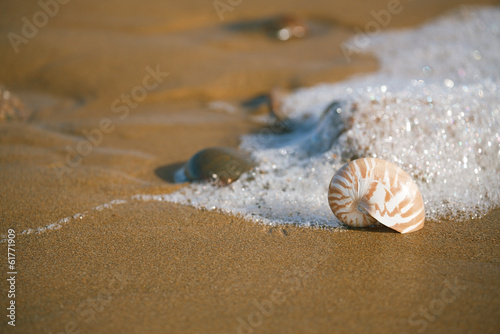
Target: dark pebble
[221,165]
[11,107]
[286,27]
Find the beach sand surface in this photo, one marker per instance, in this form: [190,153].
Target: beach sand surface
[156,267]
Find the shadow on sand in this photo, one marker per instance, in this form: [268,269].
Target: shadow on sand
[167,172]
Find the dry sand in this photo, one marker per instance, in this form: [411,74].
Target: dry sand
[164,268]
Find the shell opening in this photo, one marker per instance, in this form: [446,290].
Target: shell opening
[363,211]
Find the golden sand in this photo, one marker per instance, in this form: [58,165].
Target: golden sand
[163,268]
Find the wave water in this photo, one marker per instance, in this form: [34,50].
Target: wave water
[433,108]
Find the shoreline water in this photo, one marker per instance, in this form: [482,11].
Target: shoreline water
[438,121]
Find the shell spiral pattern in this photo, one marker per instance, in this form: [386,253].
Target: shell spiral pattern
[368,190]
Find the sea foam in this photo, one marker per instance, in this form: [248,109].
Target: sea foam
[433,109]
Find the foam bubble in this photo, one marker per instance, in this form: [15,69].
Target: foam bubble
[433,108]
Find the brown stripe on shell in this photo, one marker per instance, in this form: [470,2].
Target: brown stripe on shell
[387,185]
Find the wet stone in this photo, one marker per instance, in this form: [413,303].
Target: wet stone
[220,165]
[286,27]
[11,107]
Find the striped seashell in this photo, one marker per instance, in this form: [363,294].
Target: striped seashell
[366,191]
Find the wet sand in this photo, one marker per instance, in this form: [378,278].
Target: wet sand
[160,267]
[163,268]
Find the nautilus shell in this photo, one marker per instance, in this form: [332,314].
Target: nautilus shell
[366,191]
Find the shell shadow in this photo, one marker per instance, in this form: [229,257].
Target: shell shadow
[167,172]
[371,229]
